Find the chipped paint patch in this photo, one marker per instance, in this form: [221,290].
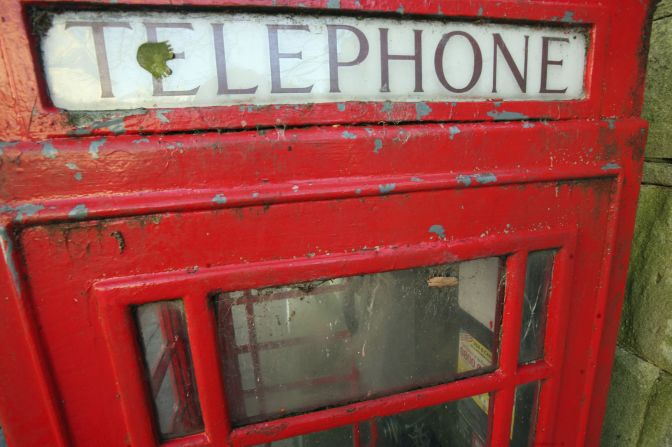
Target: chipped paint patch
[387,107]
[86,122]
[464,180]
[438,230]
[255,195]
[611,122]
[454,130]
[377,145]
[121,242]
[161,115]
[7,246]
[484,179]
[73,167]
[416,179]
[219,199]
[386,188]
[480,11]
[174,146]
[4,144]
[528,125]
[79,212]
[334,4]
[115,125]
[400,9]
[349,135]
[21,211]
[341,106]
[295,188]
[141,140]
[568,17]
[422,110]
[27,210]
[507,116]
[94,147]
[403,137]
[611,166]
[358,191]
[48,150]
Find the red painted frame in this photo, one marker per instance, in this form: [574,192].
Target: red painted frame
[116,297]
[597,141]
[582,151]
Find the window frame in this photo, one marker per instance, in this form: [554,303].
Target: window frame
[116,297]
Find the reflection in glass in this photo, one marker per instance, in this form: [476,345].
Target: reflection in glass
[167,358]
[337,437]
[524,414]
[300,347]
[453,424]
[537,289]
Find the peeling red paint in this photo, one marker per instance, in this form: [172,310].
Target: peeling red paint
[178,203]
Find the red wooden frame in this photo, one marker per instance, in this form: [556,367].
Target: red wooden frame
[116,297]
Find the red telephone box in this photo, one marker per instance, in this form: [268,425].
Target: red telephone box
[319,223]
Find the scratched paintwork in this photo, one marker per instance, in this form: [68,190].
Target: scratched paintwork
[150,206]
[300,214]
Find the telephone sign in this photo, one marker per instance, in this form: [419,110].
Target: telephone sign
[224,59]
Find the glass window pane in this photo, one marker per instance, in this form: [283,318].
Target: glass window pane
[337,437]
[453,424]
[460,423]
[167,358]
[304,346]
[537,289]
[524,414]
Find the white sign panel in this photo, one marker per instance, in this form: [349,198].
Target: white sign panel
[117,60]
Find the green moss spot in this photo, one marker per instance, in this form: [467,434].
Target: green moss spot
[153,57]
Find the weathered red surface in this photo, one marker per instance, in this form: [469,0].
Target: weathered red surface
[247,208]
[616,37]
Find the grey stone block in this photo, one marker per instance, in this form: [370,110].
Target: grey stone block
[658,93]
[657,173]
[632,382]
[663,10]
[657,429]
[646,327]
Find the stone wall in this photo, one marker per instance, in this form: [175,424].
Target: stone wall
[640,401]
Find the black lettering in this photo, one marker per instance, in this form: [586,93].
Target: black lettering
[158,83]
[334,63]
[220,61]
[478,61]
[385,58]
[101,51]
[521,78]
[276,55]
[545,62]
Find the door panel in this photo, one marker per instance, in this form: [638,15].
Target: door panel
[180,225]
